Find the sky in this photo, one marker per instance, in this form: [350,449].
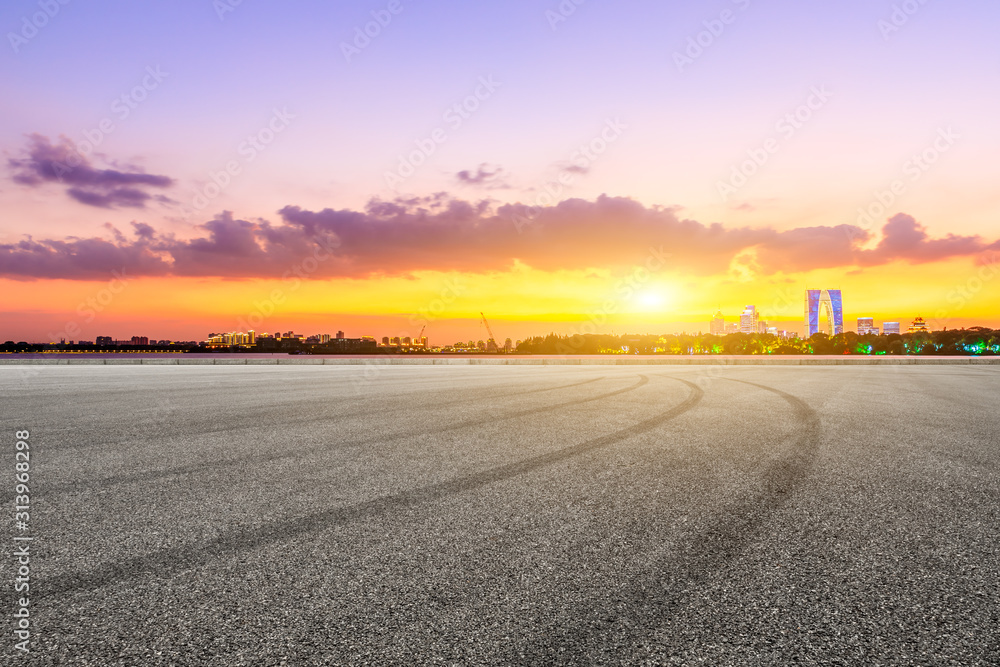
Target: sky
[172,169]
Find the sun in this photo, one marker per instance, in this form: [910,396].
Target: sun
[651,300]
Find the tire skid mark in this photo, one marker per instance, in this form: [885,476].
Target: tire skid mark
[165,562]
[316,407]
[585,634]
[194,468]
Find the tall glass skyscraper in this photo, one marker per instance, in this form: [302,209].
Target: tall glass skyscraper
[832,302]
[749,320]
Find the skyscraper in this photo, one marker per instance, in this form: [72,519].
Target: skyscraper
[866,325]
[830,301]
[718,324]
[890,328]
[749,320]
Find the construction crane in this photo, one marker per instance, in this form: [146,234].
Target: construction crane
[493,338]
[420,337]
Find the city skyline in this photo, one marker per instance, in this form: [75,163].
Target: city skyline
[361,178]
[824,313]
[748,322]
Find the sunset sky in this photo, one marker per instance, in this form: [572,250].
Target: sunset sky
[171,169]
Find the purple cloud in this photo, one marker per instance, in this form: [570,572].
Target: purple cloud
[903,238]
[484,175]
[62,163]
[438,232]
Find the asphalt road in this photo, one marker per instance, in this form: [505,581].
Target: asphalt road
[509,515]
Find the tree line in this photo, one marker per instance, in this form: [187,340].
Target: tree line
[974,341]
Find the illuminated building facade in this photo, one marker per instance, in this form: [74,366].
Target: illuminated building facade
[749,322]
[718,325]
[830,301]
[890,328]
[866,325]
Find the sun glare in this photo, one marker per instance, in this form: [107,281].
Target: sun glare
[650,300]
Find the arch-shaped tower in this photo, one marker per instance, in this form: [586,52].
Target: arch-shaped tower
[832,302]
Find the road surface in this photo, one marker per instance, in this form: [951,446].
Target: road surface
[201,515]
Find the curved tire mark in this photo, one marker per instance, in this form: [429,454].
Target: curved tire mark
[153,475]
[171,560]
[315,406]
[589,635]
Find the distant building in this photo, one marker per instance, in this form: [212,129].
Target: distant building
[718,324]
[749,322]
[140,340]
[363,345]
[385,340]
[866,325]
[324,338]
[340,335]
[890,328]
[106,341]
[918,326]
[829,301]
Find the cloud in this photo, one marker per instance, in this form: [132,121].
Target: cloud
[61,163]
[81,259]
[903,238]
[442,233]
[484,175]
